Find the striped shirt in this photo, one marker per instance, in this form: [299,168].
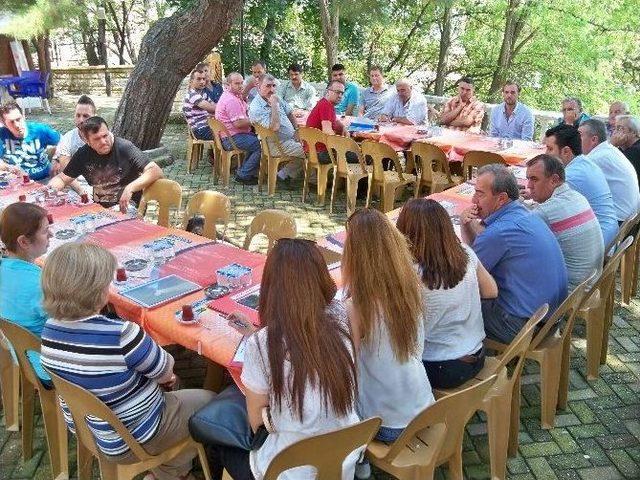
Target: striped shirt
[117,362]
[195,116]
[571,219]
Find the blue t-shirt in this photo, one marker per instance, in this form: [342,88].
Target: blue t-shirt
[214,93]
[21,301]
[525,259]
[350,97]
[30,152]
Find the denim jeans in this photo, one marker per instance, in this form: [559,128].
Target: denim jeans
[250,144]
[498,324]
[452,373]
[234,460]
[203,133]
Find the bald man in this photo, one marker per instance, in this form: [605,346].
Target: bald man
[616,108]
[407,106]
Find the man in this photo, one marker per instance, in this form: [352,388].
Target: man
[617,169]
[407,106]
[615,109]
[349,101]
[572,113]
[585,177]
[232,112]
[627,138]
[374,98]
[23,145]
[517,248]
[299,94]
[464,111]
[197,107]
[116,169]
[568,215]
[212,89]
[250,90]
[511,119]
[271,112]
[72,140]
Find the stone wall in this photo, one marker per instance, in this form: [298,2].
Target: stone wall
[79,80]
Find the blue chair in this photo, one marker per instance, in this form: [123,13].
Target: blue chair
[31,83]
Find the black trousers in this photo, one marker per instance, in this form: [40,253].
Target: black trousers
[453,373]
[233,460]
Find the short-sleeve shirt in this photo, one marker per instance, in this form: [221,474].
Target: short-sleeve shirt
[633,154]
[350,97]
[109,174]
[69,143]
[374,101]
[518,125]
[415,110]
[303,98]
[214,92]
[29,153]
[260,112]
[231,108]
[474,110]
[195,116]
[323,111]
[524,258]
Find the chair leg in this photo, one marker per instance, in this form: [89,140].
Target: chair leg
[389,195]
[189,157]
[333,191]
[595,329]
[10,386]
[563,388]
[634,283]
[498,434]
[322,176]
[28,404]
[514,422]
[305,183]
[369,187]
[626,274]
[225,167]
[108,470]
[56,431]
[608,320]
[550,367]
[272,176]
[352,191]
[204,463]
[455,464]
[85,461]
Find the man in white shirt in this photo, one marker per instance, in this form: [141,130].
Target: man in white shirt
[72,141]
[617,169]
[407,106]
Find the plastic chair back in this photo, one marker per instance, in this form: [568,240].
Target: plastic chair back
[275,224]
[623,232]
[325,452]
[269,141]
[338,147]
[378,152]
[23,341]
[429,154]
[218,128]
[478,159]
[214,206]
[605,283]
[312,136]
[168,194]
[9,385]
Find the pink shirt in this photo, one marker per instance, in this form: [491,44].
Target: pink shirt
[229,109]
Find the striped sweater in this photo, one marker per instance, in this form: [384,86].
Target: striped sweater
[116,361]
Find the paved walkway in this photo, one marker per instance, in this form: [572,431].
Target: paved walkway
[596,438]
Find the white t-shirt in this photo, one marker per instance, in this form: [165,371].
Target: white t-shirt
[453,317]
[393,391]
[289,429]
[69,143]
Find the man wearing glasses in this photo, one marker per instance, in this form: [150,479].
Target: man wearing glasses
[572,113]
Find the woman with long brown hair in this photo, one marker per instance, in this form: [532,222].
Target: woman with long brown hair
[299,371]
[453,282]
[384,303]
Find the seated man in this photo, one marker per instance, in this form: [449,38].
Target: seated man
[572,113]
[299,94]
[197,107]
[269,111]
[627,138]
[617,169]
[568,215]
[464,111]
[615,109]
[232,112]
[211,88]
[23,145]
[511,119]
[117,170]
[585,177]
[349,103]
[250,89]
[517,249]
[72,140]
[374,98]
[407,106]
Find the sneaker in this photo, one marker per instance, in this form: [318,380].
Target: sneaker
[363,470]
[247,181]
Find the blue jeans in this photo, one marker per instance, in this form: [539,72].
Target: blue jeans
[498,324]
[453,373]
[388,434]
[250,144]
[203,133]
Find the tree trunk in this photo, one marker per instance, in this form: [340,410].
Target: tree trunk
[269,34]
[44,57]
[169,51]
[329,17]
[443,52]
[27,54]
[89,43]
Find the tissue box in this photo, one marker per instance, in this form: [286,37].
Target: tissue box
[234,276]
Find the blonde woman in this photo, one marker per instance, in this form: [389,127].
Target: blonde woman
[115,360]
[384,305]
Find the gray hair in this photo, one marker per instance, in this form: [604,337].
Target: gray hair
[503,180]
[405,81]
[633,123]
[233,74]
[624,105]
[552,165]
[597,128]
[267,77]
[573,100]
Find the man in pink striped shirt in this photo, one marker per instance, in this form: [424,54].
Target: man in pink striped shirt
[231,110]
[568,215]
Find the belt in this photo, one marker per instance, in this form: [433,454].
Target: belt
[473,358]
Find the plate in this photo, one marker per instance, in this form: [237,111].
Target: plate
[135,264]
[66,234]
[215,291]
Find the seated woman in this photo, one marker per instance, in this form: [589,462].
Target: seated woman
[299,369]
[113,359]
[453,283]
[24,230]
[385,311]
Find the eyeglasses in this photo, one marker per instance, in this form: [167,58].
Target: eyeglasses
[339,92]
[621,128]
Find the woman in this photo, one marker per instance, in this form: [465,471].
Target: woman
[385,312]
[24,230]
[453,282]
[114,359]
[299,367]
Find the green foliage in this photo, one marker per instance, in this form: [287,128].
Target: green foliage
[33,17]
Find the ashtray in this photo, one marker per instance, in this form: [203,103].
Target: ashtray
[135,264]
[66,234]
[234,276]
[215,291]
